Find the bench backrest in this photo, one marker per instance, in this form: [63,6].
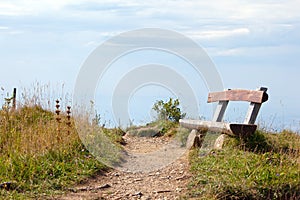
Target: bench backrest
[255,97]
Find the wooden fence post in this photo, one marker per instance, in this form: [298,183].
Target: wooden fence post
[14,105]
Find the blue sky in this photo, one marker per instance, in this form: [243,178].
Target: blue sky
[252,43]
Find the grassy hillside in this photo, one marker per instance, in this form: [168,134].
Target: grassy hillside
[265,166]
[41,153]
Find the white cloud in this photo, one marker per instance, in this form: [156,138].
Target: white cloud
[32,7]
[214,19]
[4,28]
[217,34]
[255,51]
[229,52]
[92,43]
[231,9]
[9,9]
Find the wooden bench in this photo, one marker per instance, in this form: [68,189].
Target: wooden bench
[255,97]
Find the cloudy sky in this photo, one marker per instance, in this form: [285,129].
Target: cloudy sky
[252,43]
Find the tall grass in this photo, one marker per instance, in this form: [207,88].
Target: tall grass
[40,151]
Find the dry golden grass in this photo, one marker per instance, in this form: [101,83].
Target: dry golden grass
[40,150]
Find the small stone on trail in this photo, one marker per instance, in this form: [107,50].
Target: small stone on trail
[103,186]
[180,178]
[116,174]
[145,198]
[138,194]
[162,191]
[165,177]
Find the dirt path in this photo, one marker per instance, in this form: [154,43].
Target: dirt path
[169,182]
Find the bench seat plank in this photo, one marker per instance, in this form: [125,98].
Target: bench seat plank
[234,129]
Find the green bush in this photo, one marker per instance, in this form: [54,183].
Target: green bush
[168,110]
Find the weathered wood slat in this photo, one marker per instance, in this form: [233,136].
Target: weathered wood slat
[233,129]
[238,95]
